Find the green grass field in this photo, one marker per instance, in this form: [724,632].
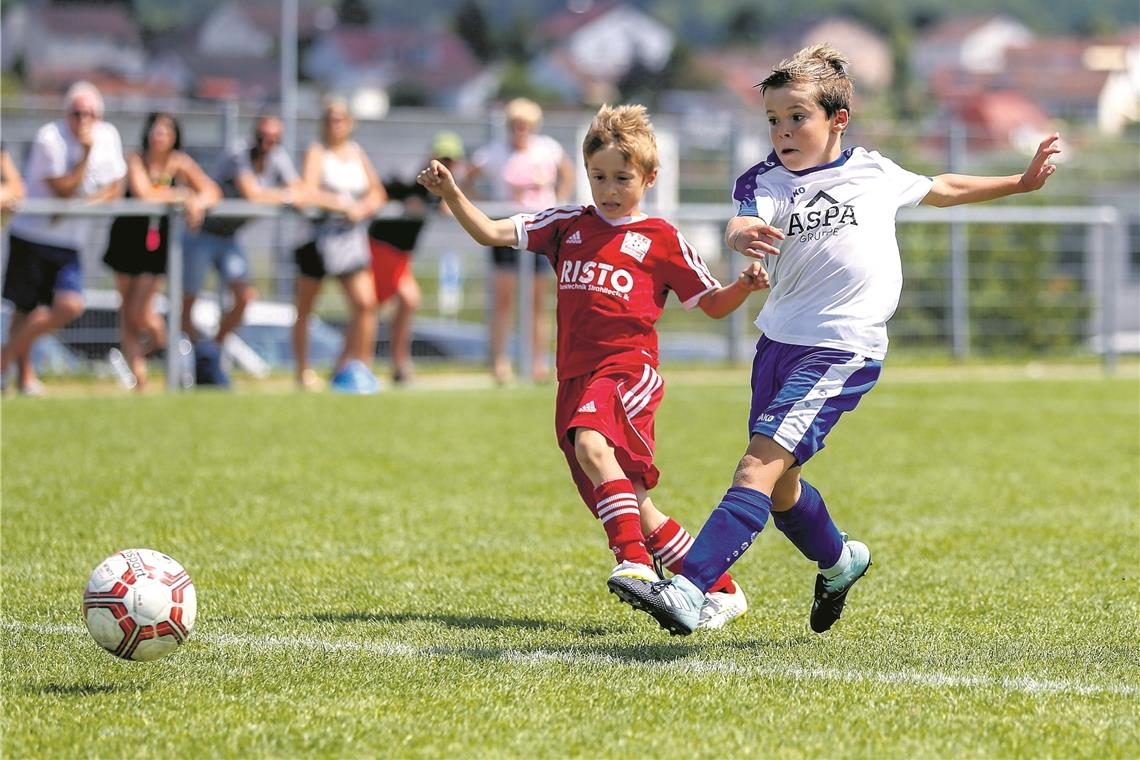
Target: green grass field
[412,575]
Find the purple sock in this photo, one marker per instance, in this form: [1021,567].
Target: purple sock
[808,525]
[729,531]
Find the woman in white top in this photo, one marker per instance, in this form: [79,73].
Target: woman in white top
[345,185]
[533,172]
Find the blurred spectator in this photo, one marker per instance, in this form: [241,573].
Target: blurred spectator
[341,180]
[393,240]
[79,156]
[11,186]
[533,172]
[136,246]
[261,172]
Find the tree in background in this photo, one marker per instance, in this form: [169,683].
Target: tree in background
[680,72]
[745,25]
[354,13]
[471,25]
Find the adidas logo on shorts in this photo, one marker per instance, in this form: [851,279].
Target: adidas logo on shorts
[588,407]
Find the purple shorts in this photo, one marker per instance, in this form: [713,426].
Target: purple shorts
[798,392]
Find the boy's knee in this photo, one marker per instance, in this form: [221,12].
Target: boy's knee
[590,448]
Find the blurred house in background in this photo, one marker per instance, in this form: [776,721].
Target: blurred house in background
[407,65]
[740,68]
[53,46]
[974,44]
[585,54]
[971,68]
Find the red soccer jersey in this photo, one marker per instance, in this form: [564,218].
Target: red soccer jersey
[613,279]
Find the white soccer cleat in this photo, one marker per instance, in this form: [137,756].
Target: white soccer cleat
[721,607]
[627,569]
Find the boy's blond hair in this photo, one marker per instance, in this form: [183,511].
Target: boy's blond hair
[627,128]
[822,66]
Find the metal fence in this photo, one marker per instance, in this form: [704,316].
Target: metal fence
[996,280]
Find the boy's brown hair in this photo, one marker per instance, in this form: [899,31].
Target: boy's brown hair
[627,128]
[822,66]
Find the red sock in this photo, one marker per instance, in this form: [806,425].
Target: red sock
[616,507]
[670,543]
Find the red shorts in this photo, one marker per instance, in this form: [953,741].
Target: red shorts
[619,402]
[389,264]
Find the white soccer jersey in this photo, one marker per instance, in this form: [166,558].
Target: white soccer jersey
[838,276]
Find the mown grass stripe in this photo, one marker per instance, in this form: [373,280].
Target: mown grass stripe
[925,679]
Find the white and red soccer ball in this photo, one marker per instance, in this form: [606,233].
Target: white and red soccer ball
[139,604]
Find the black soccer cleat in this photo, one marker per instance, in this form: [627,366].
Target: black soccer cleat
[674,604]
[831,596]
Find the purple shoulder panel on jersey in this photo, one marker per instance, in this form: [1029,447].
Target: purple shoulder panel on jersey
[746,184]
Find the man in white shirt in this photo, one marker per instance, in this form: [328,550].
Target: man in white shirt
[78,156]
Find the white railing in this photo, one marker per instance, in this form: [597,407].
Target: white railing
[1105,253]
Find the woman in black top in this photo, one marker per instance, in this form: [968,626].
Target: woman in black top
[136,248]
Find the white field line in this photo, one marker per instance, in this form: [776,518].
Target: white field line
[925,679]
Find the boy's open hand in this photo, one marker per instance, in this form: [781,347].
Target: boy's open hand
[759,239]
[1039,168]
[438,179]
[754,277]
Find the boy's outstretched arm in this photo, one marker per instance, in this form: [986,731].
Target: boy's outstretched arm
[720,303]
[484,230]
[956,189]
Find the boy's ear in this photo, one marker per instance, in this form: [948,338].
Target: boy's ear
[650,179]
[839,121]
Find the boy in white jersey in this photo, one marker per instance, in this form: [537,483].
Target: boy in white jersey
[615,268]
[836,279]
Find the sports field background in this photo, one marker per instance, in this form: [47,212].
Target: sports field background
[412,575]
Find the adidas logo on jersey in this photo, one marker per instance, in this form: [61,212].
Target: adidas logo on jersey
[588,407]
[575,238]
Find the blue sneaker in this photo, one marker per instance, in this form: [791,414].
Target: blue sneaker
[675,604]
[831,595]
[355,377]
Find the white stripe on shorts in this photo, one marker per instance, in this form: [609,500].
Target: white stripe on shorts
[796,422]
[635,399]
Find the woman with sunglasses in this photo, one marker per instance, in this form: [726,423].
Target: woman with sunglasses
[136,248]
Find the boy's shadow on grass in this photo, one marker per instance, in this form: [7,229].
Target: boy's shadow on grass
[667,650]
[465,622]
[74,689]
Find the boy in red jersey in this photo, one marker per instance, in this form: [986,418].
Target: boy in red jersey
[615,268]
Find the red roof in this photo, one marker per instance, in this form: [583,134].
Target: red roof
[111,22]
[1059,53]
[423,55]
[995,116]
[957,29]
[267,16]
